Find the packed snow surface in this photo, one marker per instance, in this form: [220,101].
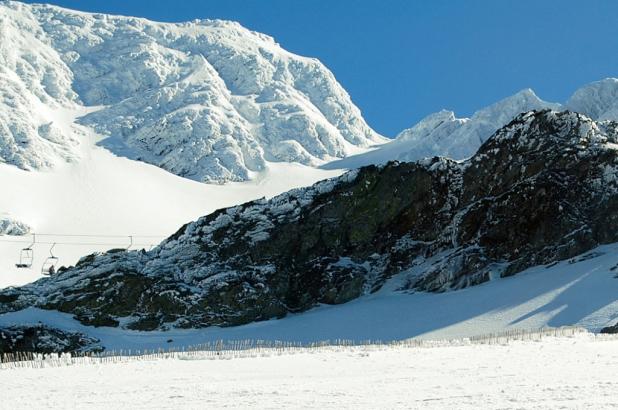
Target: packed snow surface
[576,372]
[208,100]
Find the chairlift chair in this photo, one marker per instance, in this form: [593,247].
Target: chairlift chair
[26,255]
[50,264]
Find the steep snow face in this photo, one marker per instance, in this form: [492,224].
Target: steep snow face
[598,100]
[208,100]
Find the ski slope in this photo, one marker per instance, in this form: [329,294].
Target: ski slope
[576,372]
[109,198]
[542,296]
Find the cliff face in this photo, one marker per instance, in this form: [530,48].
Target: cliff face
[541,189]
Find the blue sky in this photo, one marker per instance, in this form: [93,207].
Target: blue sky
[402,59]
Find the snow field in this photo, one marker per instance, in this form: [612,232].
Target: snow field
[576,371]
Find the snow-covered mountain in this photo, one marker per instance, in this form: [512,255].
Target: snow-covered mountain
[208,100]
[444,134]
[86,95]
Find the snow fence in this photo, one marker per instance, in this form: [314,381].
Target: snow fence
[226,350]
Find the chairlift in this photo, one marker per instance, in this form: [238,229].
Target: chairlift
[50,264]
[26,255]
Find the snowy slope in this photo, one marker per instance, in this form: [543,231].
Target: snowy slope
[208,100]
[33,80]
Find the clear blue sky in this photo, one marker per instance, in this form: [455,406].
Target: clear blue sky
[403,59]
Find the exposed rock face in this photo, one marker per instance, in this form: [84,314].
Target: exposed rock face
[542,189]
[44,339]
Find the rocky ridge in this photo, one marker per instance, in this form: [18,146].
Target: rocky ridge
[541,189]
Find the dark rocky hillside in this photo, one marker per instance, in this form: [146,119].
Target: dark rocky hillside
[542,189]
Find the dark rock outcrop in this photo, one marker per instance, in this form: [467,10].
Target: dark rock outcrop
[543,188]
[610,329]
[45,339]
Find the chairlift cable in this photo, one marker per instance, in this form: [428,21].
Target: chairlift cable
[78,243]
[99,236]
